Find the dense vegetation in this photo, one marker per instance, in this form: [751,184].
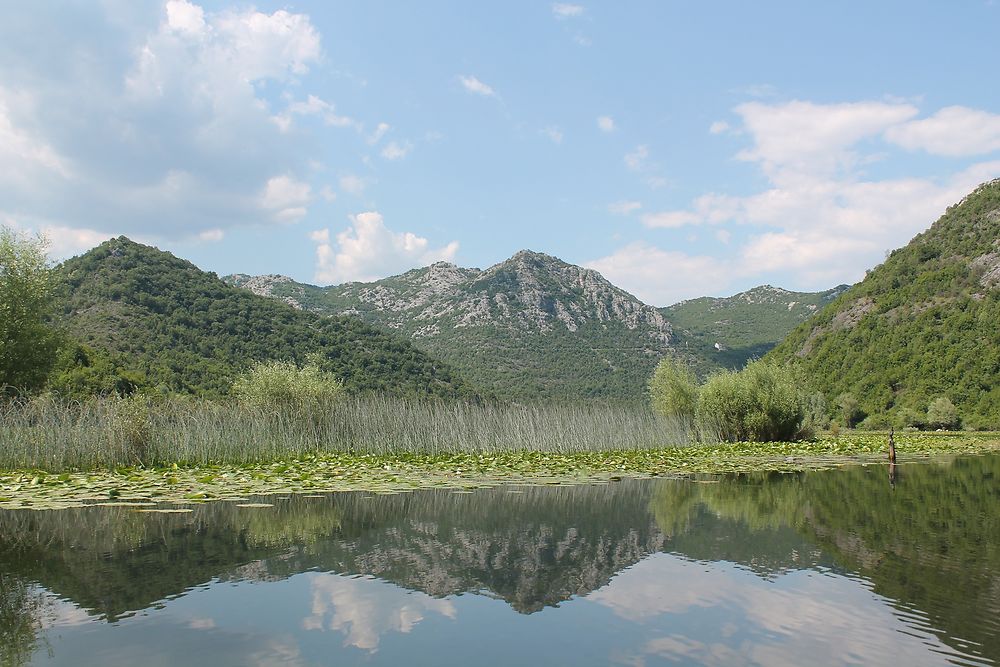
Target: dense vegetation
[168,325]
[921,326]
[763,402]
[728,332]
[28,342]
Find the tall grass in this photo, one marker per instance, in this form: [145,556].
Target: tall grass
[49,434]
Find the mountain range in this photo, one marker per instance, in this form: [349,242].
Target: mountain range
[534,326]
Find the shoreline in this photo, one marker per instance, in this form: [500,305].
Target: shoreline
[324,473]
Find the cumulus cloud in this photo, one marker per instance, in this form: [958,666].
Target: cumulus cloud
[805,138]
[952,131]
[141,125]
[368,250]
[821,221]
[650,273]
[286,198]
[606,124]
[477,87]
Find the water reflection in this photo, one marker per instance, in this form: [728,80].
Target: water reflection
[821,568]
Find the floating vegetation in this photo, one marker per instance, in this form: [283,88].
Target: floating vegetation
[316,474]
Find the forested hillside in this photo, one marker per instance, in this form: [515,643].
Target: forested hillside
[184,330]
[727,332]
[923,325]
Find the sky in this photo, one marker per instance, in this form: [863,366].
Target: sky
[682,149]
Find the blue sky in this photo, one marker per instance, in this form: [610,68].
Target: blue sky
[682,149]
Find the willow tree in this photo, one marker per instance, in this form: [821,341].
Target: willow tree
[28,342]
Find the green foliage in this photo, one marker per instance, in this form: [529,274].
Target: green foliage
[761,403]
[942,413]
[817,412]
[746,325]
[28,342]
[81,371]
[850,410]
[282,384]
[922,324]
[171,327]
[673,390]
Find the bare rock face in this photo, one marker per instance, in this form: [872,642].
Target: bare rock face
[528,292]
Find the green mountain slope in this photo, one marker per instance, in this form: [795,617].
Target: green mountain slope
[532,327]
[924,324]
[187,331]
[728,332]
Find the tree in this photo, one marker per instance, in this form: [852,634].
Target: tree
[850,409]
[673,389]
[28,341]
[941,413]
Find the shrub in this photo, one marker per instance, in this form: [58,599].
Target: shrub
[761,403]
[817,415]
[283,385]
[850,409]
[673,390]
[941,413]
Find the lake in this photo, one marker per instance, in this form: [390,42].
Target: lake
[830,567]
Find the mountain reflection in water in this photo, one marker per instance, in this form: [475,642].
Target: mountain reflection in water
[821,567]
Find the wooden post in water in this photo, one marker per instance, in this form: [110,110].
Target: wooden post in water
[892,447]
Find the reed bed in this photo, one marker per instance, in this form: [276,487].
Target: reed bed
[106,433]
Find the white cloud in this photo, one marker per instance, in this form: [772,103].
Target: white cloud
[651,274]
[474,85]
[952,131]
[785,622]
[212,235]
[368,250]
[396,151]
[364,610]
[624,207]
[185,17]
[797,139]
[564,10]
[723,236]
[379,133]
[606,123]
[313,106]
[61,242]
[636,160]
[820,221]
[328,194]
[669,219]
[286,198]
[352,184]
[554,133]
[141,122]
[718,127]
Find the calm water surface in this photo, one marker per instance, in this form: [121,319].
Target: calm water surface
[835,567]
